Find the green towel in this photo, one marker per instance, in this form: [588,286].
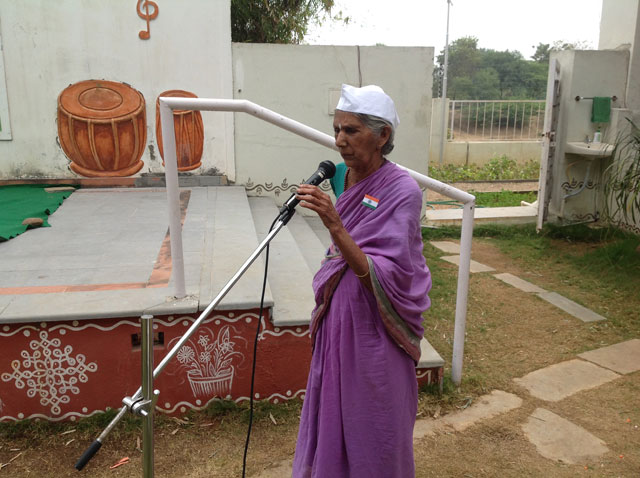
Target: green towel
[601,109]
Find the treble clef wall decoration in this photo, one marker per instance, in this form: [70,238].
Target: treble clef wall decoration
[147,11]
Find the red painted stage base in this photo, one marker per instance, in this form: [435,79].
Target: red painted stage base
[67,370]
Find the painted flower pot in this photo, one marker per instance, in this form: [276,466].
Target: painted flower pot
[189,133]
[102,128]
[211,386]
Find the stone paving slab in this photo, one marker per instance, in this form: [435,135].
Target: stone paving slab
[485,407]
[290,278]
[446,246]
[561,380]
[102,304]
[429,357]
[556,438]
[234,240]
[486,215]
[518,283]
[315,223]
[570,307]
[308,241]
[622,358]
[474,267]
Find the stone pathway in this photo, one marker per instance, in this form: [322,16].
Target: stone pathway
[567,305]
[554,437]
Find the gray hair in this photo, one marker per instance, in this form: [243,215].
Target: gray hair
[377,124]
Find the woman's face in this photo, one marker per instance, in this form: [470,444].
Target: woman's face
[359,147]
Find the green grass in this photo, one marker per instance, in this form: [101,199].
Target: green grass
[503,198]
[37,430]
[262,410]
[493,199]
[443,289]
[608,263]
[598,267]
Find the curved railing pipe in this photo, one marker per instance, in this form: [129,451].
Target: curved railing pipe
[168,104]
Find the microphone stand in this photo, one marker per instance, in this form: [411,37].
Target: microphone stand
[143,401]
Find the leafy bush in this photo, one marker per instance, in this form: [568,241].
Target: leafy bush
[498,168]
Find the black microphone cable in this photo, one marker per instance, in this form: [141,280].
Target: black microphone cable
[326,170]
[255,350]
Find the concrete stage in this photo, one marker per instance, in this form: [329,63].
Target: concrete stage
[71,296]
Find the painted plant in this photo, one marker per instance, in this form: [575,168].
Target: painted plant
[209,361]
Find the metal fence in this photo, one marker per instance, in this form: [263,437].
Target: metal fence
[495,120]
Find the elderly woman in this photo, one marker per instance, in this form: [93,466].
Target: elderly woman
[361,398]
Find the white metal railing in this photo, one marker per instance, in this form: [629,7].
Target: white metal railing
[496,120]
[168,104]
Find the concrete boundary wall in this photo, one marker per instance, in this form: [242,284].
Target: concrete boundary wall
[303,82]
[481,152]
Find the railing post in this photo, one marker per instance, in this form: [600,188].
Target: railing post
[146,323]
[462,292]
[173,198]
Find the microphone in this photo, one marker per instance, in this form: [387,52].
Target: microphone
[326,170]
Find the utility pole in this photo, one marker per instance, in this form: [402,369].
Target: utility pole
[443,137]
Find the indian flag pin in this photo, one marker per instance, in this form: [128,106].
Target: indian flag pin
[370,201]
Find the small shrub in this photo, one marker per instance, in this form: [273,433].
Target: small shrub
[219,408]
[497,169]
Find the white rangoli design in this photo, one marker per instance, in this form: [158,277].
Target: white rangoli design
[50,372]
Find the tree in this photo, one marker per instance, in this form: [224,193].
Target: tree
[541,55]
[464,59]
[275,21]
[484,74]
[485,84]
[543,50]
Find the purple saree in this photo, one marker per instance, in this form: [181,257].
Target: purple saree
[361,398]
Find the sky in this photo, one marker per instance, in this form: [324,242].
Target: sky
[498,24]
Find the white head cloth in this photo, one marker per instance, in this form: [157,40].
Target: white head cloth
[370,100]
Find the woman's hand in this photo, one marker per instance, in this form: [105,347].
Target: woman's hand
[312,197]
[315,199]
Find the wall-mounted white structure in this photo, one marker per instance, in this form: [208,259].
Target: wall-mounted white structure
[575,170]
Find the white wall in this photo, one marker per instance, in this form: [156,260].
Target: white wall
[620,28]
[51,44]
[617,24]
[303,83]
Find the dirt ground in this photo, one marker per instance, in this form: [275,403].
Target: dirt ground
[509,334]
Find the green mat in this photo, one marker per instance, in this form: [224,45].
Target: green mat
[18,202]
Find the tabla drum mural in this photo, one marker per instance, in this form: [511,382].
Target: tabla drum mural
[189,133]
[102,127]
